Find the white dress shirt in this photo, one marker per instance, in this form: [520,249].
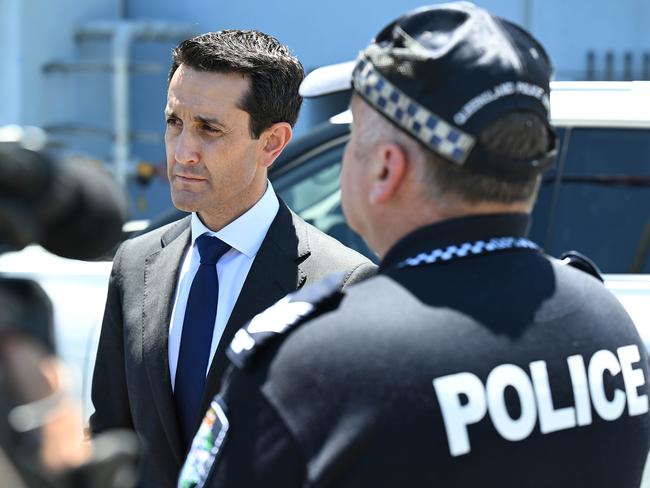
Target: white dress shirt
[244,235]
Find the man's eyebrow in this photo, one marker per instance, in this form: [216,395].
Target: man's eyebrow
[208,120]
[204,119]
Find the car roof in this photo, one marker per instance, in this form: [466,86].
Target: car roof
[606,104]
[600,104]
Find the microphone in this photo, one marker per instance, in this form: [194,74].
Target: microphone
[72,208]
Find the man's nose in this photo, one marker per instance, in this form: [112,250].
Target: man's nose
[186,149]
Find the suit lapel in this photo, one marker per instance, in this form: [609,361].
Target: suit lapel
[275,272]
[160,284]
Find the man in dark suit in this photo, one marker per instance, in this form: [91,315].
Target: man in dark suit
[178,294]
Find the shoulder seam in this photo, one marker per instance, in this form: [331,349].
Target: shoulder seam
[350,273]
[353,271]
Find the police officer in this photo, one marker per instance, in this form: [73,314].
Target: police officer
[471,359]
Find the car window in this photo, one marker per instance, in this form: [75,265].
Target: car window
[596,201]
[312,190]
[602,204]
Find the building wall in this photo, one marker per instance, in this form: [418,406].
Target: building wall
[323,32]
[569,29]
[32,33]
[10,110]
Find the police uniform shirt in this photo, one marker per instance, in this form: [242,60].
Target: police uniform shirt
[501,368]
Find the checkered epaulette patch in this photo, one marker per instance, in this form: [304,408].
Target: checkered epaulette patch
[442,137]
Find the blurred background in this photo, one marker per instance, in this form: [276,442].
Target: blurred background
[93,72]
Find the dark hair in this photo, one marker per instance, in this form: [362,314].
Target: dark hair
[517,135]
[274,73]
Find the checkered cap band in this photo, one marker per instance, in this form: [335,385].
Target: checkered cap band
[443,138]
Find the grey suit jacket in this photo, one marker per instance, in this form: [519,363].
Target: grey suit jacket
[131,383]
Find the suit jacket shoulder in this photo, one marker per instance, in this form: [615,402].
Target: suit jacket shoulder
[141,246]
[330,256]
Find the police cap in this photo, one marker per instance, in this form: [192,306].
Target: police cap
[443,73]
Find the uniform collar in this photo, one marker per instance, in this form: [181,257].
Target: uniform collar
[456,231]
[245,233]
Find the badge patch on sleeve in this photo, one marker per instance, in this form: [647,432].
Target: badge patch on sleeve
[206,447]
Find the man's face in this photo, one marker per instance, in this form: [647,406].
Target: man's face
[212,161]
[354,173]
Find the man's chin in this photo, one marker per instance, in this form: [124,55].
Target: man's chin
[184,205]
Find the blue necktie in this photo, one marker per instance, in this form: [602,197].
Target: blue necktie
[196,338]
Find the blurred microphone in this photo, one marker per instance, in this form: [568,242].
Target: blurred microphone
[72,208]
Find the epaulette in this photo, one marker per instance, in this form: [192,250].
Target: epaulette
[581,262]
[284,316]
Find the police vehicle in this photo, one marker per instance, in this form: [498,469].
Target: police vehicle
[596,200]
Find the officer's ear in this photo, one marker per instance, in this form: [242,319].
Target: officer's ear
[389,170]
[273,140]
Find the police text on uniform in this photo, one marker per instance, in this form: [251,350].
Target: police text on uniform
[465,400]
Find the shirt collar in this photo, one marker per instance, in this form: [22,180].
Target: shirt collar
[455,232]
[245,233]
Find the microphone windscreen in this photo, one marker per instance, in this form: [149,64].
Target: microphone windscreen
[95,211]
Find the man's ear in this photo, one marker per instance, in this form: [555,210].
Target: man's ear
[273,141]
[389,170]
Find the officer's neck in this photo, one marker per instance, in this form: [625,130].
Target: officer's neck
[403,218]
